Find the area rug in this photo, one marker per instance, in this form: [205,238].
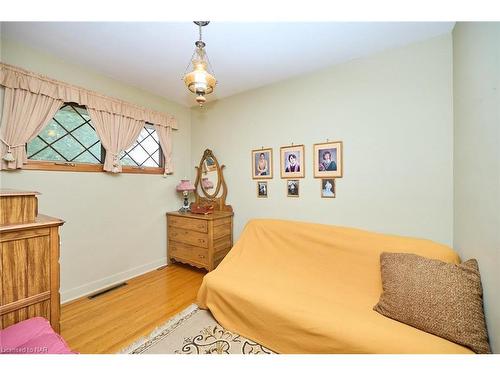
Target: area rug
[194,331]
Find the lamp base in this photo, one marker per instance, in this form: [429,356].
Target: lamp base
[185,206]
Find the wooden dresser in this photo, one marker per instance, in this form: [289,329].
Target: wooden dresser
[199,240]
[29,260]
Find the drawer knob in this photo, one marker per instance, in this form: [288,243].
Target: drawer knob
[200,240]
[202,256]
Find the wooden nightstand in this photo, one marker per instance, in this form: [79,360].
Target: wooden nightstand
[199,240]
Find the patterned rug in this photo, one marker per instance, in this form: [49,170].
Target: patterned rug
[194,331]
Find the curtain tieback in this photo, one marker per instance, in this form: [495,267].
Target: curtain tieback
[116,163]
[8,155]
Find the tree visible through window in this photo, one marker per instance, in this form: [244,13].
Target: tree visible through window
[69,137]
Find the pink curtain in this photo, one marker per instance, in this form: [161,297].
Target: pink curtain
[24,116]
[117,133]
[165,137]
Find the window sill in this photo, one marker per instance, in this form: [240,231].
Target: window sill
[82,167]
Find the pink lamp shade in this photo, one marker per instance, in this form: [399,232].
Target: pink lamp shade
[206,183]
[185,185]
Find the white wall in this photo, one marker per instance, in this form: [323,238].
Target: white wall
[476,64]
[393,111]
[115,225]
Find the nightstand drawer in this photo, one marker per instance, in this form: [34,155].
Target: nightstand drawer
[188,236]
[187,223]
[188,252]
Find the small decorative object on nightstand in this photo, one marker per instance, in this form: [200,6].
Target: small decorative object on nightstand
[185,186]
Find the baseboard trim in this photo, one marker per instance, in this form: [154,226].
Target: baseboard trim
[89,288]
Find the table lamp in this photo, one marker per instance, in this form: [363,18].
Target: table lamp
[185,186]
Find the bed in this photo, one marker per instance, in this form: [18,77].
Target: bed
[309,288]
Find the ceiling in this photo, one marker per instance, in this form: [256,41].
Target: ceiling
[154,55]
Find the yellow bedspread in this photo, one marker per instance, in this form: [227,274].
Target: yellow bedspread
[310,288]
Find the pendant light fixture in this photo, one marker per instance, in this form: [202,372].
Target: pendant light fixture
[200,80]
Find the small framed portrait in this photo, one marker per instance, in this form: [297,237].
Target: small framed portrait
[262,163]
[292,188]
[210,164]
[327,188]
[292,161]
[328,160]
[261,189]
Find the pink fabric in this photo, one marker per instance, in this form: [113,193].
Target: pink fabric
[32,336]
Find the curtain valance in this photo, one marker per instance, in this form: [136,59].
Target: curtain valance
[17,78]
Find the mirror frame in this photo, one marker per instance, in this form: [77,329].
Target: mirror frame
[207,199]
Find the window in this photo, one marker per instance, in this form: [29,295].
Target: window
[70,143]
[145,152]
[69,137]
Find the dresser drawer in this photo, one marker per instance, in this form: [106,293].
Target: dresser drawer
[222,230]
[226,220]
[188,223]
[188,236]
[222,243]
[188,252]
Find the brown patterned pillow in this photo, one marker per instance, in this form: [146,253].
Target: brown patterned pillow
[441,298]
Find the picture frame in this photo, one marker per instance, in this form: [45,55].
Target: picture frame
[262,190]
[328,160]
[292,188]
[262,163]
[292,161]
[328,188]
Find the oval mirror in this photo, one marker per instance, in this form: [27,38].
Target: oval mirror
[211,189]
[209,185]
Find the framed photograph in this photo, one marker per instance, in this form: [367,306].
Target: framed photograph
[262,163]
[292,188]
[292,161]
[327,160]
[210,164]
[327,188]
[261,189]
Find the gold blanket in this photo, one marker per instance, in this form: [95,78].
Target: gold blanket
[309,288]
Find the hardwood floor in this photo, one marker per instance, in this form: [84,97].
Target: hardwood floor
[116,319]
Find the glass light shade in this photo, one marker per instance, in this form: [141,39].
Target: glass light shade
[199,80]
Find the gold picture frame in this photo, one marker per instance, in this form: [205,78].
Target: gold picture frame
[292,157]
[262,189]
[327,187]
[262,170]
[293,188]
[328,160]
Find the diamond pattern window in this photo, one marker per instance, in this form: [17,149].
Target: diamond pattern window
[145,152]
[69,137]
